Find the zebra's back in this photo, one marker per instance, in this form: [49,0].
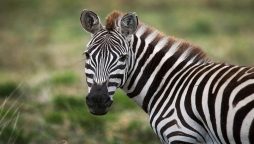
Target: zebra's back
[208,103]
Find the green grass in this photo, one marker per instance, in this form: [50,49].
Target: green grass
[122,102]
[13,136]
[54,118]
[65,78]
[201,27]
[73,109]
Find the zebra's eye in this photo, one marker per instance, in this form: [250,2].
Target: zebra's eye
[87,55]
[123,57]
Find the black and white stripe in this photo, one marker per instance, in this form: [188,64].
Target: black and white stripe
[189,98]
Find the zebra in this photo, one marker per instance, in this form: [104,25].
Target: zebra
[188,97]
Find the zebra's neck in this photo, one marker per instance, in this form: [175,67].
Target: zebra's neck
[154,56]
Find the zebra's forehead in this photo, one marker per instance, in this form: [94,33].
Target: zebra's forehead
[105,40]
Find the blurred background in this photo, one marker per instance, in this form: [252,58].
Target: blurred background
[42,87]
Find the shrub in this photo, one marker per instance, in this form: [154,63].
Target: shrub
[201,27]
[54,117]
[8,88]
[66,78]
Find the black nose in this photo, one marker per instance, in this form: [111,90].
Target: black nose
[98,105]
[98,94]
[98,99]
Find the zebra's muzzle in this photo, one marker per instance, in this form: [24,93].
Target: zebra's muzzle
[98,100]
[100,108]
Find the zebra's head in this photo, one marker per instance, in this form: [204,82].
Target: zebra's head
[108,57]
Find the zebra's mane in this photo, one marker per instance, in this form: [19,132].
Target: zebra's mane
[194,51]
[112,19]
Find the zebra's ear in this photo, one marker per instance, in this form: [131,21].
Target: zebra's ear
[129,24]
[90,21]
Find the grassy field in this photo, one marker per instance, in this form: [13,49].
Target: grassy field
[42,87]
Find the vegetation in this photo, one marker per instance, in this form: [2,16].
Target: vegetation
[42,84]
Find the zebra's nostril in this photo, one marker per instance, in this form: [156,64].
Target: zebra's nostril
[92,101]
[89,101]
[88,98]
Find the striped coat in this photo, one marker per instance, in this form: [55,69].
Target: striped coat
[188,97]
